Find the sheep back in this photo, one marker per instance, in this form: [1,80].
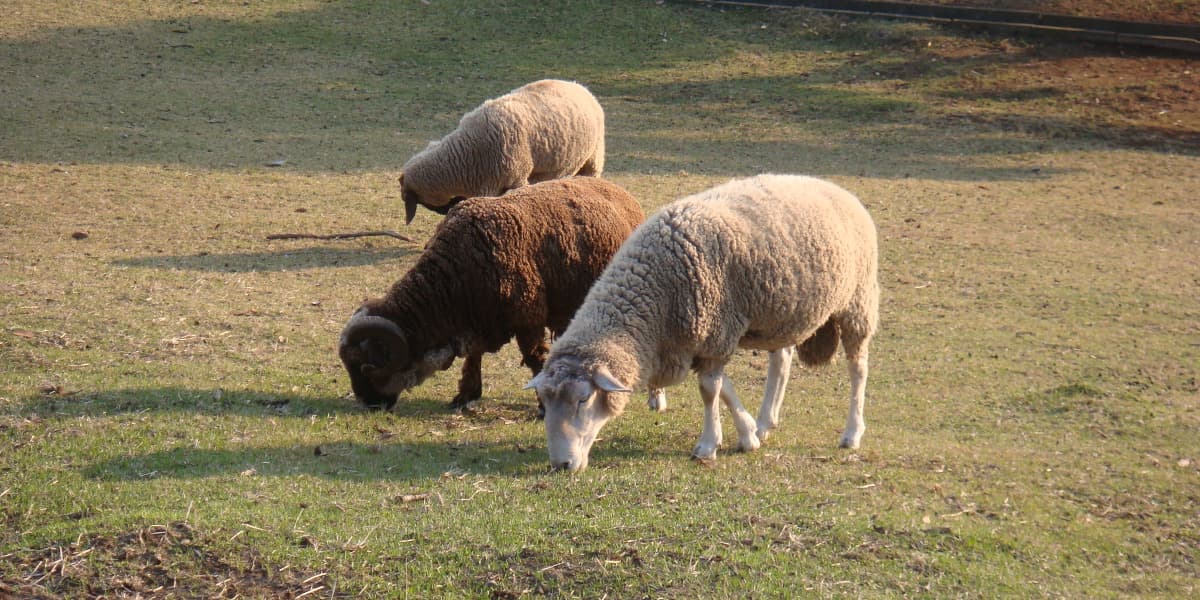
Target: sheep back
[535,251]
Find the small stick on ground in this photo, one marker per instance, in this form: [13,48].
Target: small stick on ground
[339,236]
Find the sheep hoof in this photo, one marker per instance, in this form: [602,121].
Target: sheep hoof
[750,444]
[657,401]
[704,453]
[850,442]
[764,432]
[462,402]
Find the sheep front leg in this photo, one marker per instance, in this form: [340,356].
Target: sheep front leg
[744,423]
[710,435]
[470,386]
[534,350]
[779,368]
[656,399]
[855,424]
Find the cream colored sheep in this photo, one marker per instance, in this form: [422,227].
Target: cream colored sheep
[763,263]
[548,129]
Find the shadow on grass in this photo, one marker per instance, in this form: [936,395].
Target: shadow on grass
[329,88]
[334,438]
[248,403]
[332,459]
[278,260]
[356,460]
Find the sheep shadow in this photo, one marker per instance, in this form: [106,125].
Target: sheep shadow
[317,442]
[356,444]
[341,459]
[269,261]
[417,404]
[325,458]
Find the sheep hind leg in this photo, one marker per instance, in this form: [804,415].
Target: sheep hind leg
[856,357]
[470,386]
[779,368]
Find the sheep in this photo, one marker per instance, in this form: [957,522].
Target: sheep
[761,263]
[547,129]
[495,268]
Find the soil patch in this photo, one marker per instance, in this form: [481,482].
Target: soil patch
[1154,11]
[171,561]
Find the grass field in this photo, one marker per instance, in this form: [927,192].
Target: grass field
[173,415]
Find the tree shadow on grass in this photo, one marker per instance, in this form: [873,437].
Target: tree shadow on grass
[333,88]
[273,261]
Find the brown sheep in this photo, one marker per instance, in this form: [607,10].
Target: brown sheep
[495,268]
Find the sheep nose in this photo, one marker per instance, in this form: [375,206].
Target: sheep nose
[562,466]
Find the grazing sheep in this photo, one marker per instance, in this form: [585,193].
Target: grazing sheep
[495,268]
[763,263]
[548,129]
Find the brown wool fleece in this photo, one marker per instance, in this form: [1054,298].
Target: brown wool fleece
[510,266]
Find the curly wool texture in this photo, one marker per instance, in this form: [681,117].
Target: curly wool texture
[764,263]
[548,129]
[510,266]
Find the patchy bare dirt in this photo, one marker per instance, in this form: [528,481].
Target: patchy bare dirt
[1154,11]
[171,561]
[1134,95]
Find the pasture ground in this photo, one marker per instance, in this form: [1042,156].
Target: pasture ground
[173,420]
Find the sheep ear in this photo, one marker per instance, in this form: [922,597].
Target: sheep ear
[605,381]
[536,381]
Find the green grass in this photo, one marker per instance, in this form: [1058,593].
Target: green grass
[173,419]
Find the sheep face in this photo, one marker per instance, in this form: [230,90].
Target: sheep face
[413,199]
[380,362]
[577,407]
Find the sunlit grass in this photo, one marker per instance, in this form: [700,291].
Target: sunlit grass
[171,403]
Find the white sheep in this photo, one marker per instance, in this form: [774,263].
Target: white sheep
[762,263]
[544,130]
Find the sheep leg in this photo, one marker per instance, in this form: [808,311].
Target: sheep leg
[470,386]
[779,367]
[855,425]
[534,350]
[589,169]
[742,420]
[656,399]
[710,435]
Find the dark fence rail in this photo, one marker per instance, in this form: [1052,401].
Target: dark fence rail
[1174,36]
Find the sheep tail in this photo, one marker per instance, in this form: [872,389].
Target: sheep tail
[820,347]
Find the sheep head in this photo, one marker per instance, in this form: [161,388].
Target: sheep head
[380,362]
[413,198]
[577,405]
